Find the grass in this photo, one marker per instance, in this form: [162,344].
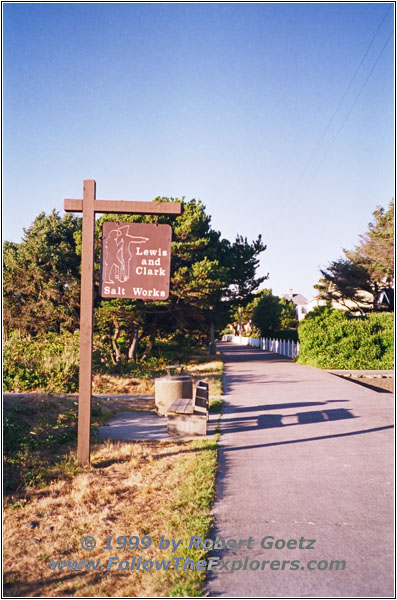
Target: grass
[39,435]
[132,488]
[119,384]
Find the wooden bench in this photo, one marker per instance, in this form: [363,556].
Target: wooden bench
[189,416]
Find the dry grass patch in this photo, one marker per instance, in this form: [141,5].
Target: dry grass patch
[210,370]
[132,489]
[39,434]
[199,367]
[110,406]
[40,429]
[119,384]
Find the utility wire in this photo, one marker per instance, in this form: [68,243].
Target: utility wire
[342,99]
[351,108]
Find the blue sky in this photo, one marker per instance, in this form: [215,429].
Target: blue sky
[228,103]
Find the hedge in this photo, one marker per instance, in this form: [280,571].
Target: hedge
[285,334]
[332,339]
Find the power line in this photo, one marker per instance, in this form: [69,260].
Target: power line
[351,108]
[343,97]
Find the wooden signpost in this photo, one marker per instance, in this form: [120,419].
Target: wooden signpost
[89,206]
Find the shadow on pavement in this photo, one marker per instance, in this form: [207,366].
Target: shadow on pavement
[260,407]
[311,439]
[242,424]
[250,356]
[247,379]
[297,441]
[246,354]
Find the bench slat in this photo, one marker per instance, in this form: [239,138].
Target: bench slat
[182,405]
[189,406]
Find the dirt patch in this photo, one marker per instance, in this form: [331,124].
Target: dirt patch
[378,384]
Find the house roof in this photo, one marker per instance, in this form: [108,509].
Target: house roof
[297,299]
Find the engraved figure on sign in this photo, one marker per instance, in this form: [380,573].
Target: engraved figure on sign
[118,254]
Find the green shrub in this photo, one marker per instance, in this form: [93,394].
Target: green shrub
[286,334]
[50,362]
[332,339]
[47,362]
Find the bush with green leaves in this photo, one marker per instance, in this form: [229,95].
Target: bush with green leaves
[332,339]
[48,362]
[286,334]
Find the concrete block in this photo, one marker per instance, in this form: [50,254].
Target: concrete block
[195,424]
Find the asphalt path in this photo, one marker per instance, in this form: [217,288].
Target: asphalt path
[304,455]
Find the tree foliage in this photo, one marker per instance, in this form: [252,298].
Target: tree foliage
[288,318]
[197,281]
[207,280]
[41,277]
[242,260]
[376,248]
[209,275]
[267,314]
[272,314]
[357,280]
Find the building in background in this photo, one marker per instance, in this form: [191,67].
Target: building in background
[301,304]
[385,301]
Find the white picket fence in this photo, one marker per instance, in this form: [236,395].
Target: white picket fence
[283,347]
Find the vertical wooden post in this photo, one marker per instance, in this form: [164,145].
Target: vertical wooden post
[86,323]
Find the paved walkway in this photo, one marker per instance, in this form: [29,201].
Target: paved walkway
[303,454]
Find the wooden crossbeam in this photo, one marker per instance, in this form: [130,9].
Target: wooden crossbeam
[126,207]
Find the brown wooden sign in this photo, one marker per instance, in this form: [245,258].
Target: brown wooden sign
[135,261]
